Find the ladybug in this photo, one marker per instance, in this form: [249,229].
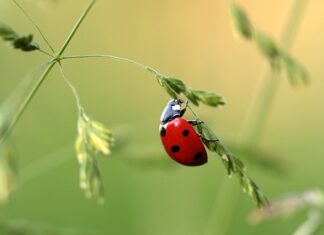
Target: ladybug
[179,138]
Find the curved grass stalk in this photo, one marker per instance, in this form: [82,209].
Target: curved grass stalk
[312,225]
[112,57]
[258,111]
[224,206]
[74,91]
[172,85]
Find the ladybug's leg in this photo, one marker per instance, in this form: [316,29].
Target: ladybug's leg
[208,140]
[195,122]
[182,112]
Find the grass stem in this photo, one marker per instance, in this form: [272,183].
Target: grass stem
[75,28]
[26,102]
[117,58]
[225,204]
[33,23]
[73,89]
[48,69]
[112,57]
[260,107]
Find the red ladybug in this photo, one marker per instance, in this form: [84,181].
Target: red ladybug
[179,138]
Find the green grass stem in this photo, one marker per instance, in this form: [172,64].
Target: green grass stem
[48,69]
[227,200]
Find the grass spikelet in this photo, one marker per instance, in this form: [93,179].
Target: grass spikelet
[93,138]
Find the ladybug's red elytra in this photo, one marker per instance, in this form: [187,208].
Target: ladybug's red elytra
[179,138]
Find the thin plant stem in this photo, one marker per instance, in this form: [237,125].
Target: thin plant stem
[45,52]
[40,81]
[74,91]
[258,112]
[33,23]
[112,57]
[221,216]
[262,100]
[193,112]
[225,204]
[117,58]
[105,56]
[26,102]
[75,28]
[312,225]
[20,90]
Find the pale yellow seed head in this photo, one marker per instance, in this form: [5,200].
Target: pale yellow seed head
[99,144]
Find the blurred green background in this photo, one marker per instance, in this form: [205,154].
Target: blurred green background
[146,192]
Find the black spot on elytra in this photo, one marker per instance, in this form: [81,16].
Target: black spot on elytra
[175,148]
[185,132]
[198,156]
[162,131]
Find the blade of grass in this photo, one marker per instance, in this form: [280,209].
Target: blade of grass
[312,225]
[226,201]
[258,111]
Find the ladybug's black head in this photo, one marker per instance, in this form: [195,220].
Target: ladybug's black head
[172,110]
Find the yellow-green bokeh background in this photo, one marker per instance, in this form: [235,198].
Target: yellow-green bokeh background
[192,40]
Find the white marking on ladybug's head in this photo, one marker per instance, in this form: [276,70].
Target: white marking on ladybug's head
[176,107]
[164,125]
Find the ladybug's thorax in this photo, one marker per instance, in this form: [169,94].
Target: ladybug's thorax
[171,111]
